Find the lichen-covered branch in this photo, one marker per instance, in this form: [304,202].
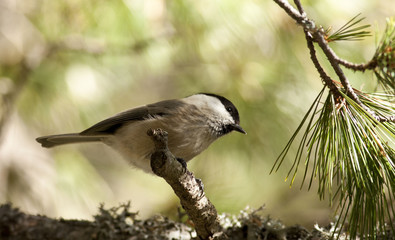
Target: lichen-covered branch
[116,223]
[188,189]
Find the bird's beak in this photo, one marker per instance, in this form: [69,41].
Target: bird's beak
[237,127]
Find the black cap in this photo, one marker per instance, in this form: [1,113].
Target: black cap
[232,110]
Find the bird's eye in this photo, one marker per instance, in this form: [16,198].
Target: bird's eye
[229,109]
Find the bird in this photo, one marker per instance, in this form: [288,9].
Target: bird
[192,124]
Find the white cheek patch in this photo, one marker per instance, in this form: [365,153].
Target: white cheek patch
[213,106]
[221,113]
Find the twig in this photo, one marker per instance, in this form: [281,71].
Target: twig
[313,56]
[300,7]
[355,66]
[335,60]
[292,12]
[318,36]
[325,78]
[188,189]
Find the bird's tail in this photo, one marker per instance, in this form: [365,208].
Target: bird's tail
[55,140]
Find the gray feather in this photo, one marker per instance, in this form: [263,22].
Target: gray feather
[55,140]
[112,124]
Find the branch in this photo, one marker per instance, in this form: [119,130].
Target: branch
[188,189]
[116,223]
[17,225]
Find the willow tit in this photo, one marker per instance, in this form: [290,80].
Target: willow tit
[192,123]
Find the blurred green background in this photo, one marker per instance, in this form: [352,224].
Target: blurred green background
[65,65]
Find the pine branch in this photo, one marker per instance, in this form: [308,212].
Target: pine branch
[331,55]
[317,34]
[351,157]
[309,25]
[349,141]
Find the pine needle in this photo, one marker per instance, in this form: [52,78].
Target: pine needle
[350,32]
[352,158]
[385,58]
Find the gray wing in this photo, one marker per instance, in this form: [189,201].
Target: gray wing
[112,124]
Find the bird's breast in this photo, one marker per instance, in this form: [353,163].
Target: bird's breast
[186,139]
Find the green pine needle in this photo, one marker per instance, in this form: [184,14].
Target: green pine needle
[371,198]
[385,58]
[350,32]
[352,158]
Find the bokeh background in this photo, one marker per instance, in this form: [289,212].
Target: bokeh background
[65,65]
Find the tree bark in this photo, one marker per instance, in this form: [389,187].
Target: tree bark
[187,188]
